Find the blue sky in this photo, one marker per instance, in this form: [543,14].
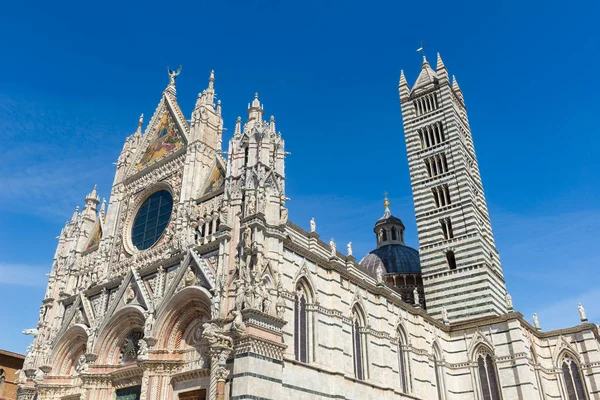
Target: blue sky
[76,76]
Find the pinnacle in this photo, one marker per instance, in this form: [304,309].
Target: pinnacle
[440,64]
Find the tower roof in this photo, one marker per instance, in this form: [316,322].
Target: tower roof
[426,77]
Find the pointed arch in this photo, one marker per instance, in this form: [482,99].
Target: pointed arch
[571,376]
[404,370]
[303,317]
[438,370]
[487,374]
[359,341]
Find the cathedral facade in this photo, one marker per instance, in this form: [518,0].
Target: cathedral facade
[191,283]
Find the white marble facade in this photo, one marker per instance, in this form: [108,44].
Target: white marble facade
[220,296]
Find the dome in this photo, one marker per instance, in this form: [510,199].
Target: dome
[393,259]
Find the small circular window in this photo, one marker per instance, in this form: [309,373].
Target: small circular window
[151,220]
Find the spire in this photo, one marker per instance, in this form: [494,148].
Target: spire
[255,110]
[138,132]
[93,197]
[210,91]
[75,214]
[403,87]
[426,77]
[211,80]
[440,69]
[103,207]
[386,203]
[456,89]
[238,126]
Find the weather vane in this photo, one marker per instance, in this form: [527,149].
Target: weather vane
[422,49]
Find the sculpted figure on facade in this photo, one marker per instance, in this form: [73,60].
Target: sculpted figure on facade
[313,225]
[148,323]
[416,298]
[214,335]
[280,306]
[284,216]
[582,314]
[332,247]
[237,324]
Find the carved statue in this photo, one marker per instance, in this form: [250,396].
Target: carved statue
[143,349]
[284,216]
[21,377]
[129,294]
[333,250]
[173,75]
[82,365]
[238,324]
[149,323]
[379,274]
[251,209]
[536,322]
[417,301]
[266,306]
[349,248]
[445,319]
[91,332]
[509,303]
[582,315]
[280,306]
[313,225]
[247,239]
[240,296]
[190,277]
[33,332]
[215,307]
[214,335]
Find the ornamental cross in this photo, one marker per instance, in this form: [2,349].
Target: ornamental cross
[422,49]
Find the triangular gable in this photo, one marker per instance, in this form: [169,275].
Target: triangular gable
[477,340]
[128,294]
[165,139]
[95,237]
[215,181]
[76,315]
[166,133]
[194,270]
[562,345]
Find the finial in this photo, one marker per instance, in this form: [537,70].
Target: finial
[103,206]
[238,126]
[422,51]
[141,121]
[74,217]
[386,202]
[272,124]
[403,87]
[211,80]
[256,95]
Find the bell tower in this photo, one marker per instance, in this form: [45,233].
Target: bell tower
[461,266]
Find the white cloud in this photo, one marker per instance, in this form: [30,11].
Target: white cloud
[23,274]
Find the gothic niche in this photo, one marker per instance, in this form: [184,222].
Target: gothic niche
[131,347]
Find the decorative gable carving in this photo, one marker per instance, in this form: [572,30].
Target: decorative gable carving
[477,340]
[215,181]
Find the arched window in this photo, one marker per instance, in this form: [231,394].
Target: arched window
[358,344]
[438,373]
[301,322]
[403,363]
[572,379]
[488,381]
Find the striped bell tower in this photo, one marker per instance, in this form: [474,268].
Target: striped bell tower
[461,266]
